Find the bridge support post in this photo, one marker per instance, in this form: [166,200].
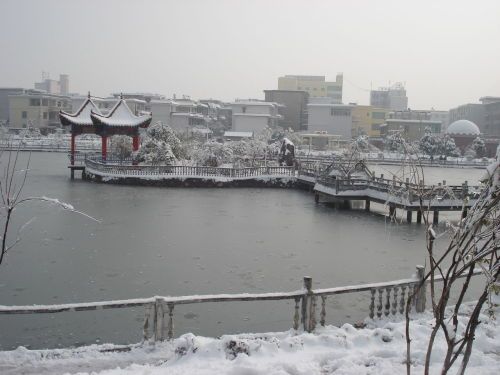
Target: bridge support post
[419,216]
[464,213]
[408,216]
[367,205]
[392,211]
[435,217]
[316,198]
[72,174]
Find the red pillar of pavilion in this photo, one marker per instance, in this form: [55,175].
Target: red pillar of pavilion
[135,143]
[73,136]
[104,147]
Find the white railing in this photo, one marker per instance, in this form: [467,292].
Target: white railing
[98,167]
[386,299]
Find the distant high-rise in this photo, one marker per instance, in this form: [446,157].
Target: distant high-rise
[51,86]
[315,86]
[393,97]
[64,84]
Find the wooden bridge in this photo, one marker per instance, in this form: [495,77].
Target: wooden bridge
[346,185]
[336,182]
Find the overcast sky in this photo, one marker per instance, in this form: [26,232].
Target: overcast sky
[446,51]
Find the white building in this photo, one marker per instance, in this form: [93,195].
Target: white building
[105,104]
[51,86]
[180,114]
[393,97]
[254,116]
[330,118]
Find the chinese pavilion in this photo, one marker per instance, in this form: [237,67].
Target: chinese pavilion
[119,121]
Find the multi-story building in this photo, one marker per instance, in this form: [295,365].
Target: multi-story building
[37,109]
[492,116]
[254,116]
[5,92]
[315,86]
[393,97]
[366,120]
[330,118]
[411,129]
[293,107]
[52,86]
[485,115]
[143,96]
[473,112]
[180,114]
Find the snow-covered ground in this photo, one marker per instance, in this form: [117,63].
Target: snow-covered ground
[377,349]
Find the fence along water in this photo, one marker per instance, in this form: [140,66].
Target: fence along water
[386,299]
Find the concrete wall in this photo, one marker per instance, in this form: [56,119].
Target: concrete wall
[161,112]
[4,101]
[334,119]
[294,107]
[255,124]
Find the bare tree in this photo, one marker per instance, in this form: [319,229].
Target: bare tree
[474,244]
[12,183]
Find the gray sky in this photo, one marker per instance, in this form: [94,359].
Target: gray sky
[447,51]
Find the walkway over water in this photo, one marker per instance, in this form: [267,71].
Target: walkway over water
[338,182]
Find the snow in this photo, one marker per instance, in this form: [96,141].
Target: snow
[121,115]
[379,348]
[82,116]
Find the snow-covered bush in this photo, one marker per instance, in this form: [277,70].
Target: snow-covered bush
[448,147]
[30,133]
[121,146]
[156,152]
[479,147]
[394,142]
[160,146]
[164,133]
[212,154]
[429,144]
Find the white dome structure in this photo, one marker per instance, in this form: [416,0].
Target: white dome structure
[463,127]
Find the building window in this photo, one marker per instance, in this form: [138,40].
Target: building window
[244,109]
[341,112]
[45,115]
[45,102]
[58,103]
[24,114]
[34,102]
[24,125]
[331,111]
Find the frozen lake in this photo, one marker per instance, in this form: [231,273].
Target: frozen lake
[181,241]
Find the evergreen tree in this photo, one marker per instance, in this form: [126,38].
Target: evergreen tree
[448,147]
[429,144]
[479,147]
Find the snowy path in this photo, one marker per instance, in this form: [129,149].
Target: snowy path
[377,349]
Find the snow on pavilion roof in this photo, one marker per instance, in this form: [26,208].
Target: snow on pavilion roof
[80,117]
[120,116]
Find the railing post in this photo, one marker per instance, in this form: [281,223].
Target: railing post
[158,319]
[306,302]
[420,290]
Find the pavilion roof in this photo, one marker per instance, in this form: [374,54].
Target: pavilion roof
[120,116]
[82,116]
